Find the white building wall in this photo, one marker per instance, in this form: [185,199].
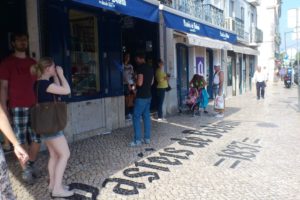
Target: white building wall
[267,22]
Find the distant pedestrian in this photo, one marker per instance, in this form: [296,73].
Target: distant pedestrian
[218,82]
[142,101]
[16,89]
[56,143]
[162,83]
[6,191]
[260,80]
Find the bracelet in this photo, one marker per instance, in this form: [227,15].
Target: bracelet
[16,145]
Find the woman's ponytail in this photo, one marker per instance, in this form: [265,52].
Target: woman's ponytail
[39,68]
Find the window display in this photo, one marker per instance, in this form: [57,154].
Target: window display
[84,54]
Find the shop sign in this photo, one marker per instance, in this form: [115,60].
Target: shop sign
[191,26]
[134,8]
[112,3]
[200,65]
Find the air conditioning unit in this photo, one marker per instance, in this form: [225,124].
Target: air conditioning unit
[230,23]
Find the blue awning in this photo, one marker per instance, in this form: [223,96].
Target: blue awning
[136,8]
[187,25]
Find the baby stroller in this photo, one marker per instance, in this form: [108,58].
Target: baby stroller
[196,100]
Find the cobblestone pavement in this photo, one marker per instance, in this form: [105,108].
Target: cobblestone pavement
[253,153]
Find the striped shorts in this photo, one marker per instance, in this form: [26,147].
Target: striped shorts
[22,127]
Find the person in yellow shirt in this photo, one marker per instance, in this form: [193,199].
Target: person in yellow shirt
[162,83]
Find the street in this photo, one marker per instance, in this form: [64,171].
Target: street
[253,153]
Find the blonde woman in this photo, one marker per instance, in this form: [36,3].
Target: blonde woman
[56,142]
[5,187]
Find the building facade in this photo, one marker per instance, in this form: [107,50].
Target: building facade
[189,51]
[270,11]
[88,38]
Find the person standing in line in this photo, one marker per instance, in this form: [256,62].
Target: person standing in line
[143,100]
[162,83]
[218,82]
[129,85]
[16,89]
[260,79]
[6,191]
[56,142]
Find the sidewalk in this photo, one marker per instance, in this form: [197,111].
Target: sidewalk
[250,154]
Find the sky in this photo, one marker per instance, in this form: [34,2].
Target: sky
[283,24]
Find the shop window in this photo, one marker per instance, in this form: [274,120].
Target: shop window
[84,54]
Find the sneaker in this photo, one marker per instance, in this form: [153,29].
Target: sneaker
[135,143]
[35,172]
[220,115]
[128,117]
[146,141]
[27,175]
[161,119]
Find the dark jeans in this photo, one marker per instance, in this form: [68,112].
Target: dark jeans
[160,101]
[260,89]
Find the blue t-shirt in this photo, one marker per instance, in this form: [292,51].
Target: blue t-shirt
[43,95]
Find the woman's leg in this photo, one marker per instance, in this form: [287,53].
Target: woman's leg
[160,98]
[51,165]
[61,149]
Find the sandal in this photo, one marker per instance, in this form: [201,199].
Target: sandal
[62,195]
[65,187]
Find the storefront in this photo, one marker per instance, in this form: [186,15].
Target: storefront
[88,39]
[205,46]
[245,62]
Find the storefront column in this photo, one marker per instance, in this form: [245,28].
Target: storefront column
[33,28]
[225,69]
[248,78]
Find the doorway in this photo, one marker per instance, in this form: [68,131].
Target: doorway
[13,19]
[141,35]
[182,72]
[209,72]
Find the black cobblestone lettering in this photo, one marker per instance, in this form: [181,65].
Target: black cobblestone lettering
[86,188]
[203,133]
[164,160]
[118,188]
[147,165]
[173,150]
[191,143]
[152,175]
[173,156]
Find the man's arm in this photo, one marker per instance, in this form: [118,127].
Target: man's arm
[140,80]
[4,95]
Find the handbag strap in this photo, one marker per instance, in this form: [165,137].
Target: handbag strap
[37,93]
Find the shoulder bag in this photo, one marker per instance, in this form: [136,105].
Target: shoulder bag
[48,117]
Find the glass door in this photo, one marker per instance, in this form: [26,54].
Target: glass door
[182,73]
